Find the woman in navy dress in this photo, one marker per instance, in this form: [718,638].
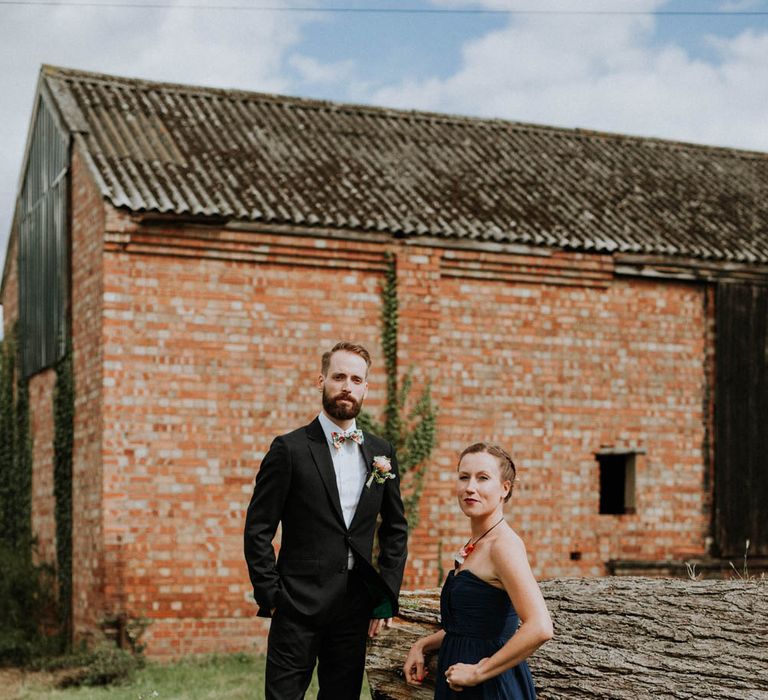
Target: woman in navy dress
[493,616]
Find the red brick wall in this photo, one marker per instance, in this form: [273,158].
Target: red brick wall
[88,217]
[195,347]
[87,231]
[554,373]
[207,359]
[41,434]
[205,362]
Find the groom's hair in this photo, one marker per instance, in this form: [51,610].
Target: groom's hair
[346,347]
[506,465]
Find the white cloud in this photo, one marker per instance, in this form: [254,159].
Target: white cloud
[313,71]
[603,72]
[608,72]
[224,49]
[740,5]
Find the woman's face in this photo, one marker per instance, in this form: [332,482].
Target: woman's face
[479,487]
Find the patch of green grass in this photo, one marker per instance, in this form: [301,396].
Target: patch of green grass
[230,677]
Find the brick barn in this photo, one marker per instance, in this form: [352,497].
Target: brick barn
[595,302]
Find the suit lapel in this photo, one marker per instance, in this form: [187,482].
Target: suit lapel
[318,446]
[366,502]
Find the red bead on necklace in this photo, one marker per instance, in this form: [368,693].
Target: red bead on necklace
[469,547]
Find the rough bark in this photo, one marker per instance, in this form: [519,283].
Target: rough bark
[618,638]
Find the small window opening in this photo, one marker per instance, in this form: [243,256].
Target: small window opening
[617,482]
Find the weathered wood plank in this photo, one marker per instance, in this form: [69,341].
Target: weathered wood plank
[618,638]
[741,414]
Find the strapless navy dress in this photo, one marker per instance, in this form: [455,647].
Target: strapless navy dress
[478,619]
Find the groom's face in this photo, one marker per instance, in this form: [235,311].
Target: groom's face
[344,386]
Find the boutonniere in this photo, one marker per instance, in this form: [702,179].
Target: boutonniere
[381,470]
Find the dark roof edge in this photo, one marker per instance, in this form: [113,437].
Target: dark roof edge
[11,240]
[393,113]
[641,265]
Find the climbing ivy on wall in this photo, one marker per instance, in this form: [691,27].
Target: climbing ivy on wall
[409,424]
[63,417]
[31,584]
[7,435]
[25,587]
[15,452]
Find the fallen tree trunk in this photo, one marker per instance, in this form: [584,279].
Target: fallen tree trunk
[617,638]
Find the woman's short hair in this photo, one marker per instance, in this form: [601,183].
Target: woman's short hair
[506,465]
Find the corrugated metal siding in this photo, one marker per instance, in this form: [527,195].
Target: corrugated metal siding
[198,151]
[741,420]
[43,262]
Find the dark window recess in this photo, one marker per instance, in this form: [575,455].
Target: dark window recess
[617,483]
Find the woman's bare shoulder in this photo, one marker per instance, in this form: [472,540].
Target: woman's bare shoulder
[507,545]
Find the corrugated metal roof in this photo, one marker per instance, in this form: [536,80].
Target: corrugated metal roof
[254,157]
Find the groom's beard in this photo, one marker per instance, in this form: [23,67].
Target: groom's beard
[335,409]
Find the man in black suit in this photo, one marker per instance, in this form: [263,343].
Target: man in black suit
[326,483]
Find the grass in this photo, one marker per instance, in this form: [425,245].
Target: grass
[231,677]
[744,574]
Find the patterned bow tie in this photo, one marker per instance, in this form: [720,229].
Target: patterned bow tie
[338,439]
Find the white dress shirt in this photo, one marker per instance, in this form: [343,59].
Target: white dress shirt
[349,465]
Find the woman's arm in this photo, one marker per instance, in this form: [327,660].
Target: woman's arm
[413,668]
[511,565]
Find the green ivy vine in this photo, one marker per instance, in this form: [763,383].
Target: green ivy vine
[410,425]
[15,452]
[26,602]
[7,438]
[16,485]
[64,424]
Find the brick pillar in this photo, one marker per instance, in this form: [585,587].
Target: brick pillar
[418,278]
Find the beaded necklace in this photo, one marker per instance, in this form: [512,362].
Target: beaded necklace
[469,547]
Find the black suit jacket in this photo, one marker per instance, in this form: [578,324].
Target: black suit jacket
[296,486]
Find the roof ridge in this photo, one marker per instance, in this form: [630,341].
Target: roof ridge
[184,150]
[290,101]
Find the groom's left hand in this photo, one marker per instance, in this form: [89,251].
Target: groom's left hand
[376,625]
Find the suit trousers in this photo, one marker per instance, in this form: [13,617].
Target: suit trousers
[338,647]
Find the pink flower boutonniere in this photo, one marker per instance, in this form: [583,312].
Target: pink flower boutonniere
[380,471]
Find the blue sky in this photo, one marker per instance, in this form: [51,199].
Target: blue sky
[622,65]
